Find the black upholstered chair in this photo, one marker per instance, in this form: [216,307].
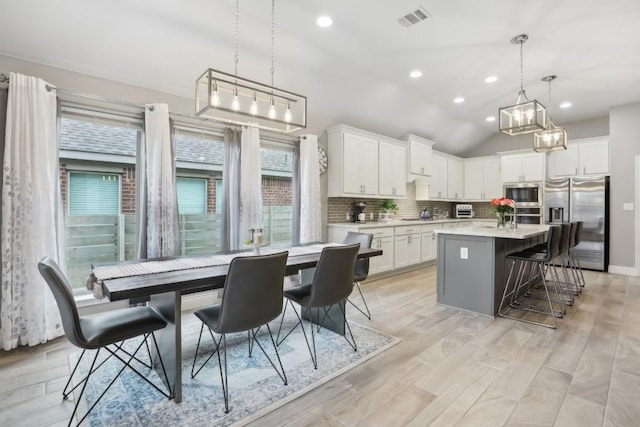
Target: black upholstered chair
[252,297]
[332,284]
[361,270]
[106,331]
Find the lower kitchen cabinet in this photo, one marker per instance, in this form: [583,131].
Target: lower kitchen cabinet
[382,239]
[407,246]
[429,242]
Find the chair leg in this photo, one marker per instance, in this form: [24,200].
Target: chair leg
[278,340]
[366,307]
[281,373]
[84,385]
[224,377]
[217,349]
[352,343]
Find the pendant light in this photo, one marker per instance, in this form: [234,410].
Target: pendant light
[553,137]
[524,116]
[229,98]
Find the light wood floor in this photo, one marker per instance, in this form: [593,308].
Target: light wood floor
[451,369]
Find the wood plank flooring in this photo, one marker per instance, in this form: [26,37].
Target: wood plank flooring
[452,368]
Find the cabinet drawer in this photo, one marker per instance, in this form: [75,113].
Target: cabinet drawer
[379,232]
[431,227]
[408,229]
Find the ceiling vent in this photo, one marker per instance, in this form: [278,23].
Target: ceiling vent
[418,15]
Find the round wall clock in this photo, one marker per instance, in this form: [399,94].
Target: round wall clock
[323,160]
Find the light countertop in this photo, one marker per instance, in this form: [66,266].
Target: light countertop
[396,223]
[523,231]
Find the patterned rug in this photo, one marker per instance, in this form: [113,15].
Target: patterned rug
[255,389]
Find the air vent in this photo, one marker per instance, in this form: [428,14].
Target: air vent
[418,15]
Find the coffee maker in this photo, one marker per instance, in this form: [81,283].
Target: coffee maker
[358,212]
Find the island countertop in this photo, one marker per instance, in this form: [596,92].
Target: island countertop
[524,231]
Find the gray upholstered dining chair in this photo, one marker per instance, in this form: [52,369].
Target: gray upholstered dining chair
[332,284]
[251,298]
[361,270]
[102,331]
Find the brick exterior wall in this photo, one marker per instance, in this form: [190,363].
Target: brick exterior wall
[63,186]
[128,190]
[276,192]
[211,194]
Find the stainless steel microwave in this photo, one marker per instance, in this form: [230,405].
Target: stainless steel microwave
[525,194]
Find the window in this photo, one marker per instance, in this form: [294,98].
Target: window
[199,163]
[97,170]
[93,193]
[277,192]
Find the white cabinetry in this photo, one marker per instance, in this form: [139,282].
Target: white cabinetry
[455,179]
[522,167]
[407,246]
[419,155]
[392,170]
[382,239]
[363,164]
[582,157]
[482,179]
[429,242]
[438,181]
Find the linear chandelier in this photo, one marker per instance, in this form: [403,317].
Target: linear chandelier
[553,137]
[525,116]
[230,98]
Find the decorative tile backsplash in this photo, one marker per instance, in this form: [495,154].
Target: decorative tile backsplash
[407,208]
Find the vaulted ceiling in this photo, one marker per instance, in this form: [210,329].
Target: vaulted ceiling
[356,71]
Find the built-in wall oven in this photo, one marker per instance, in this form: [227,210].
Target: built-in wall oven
[528,198]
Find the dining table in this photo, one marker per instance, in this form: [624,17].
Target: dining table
[163,281]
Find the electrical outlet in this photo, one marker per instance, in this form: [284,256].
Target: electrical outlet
[464,253]
[627,206]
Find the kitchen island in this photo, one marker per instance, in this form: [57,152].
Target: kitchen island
[472,264]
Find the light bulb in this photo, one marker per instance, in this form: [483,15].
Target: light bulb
[530,115]
[518,116]
[546,137]
[253,110]
[272,109]
[287,114]
[215,100]
[235,104]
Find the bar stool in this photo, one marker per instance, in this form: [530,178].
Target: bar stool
[534,260]
[572,253]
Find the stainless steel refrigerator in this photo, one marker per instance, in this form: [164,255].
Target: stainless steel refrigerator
[583,199]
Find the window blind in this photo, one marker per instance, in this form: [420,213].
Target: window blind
[94,193]
[192,195]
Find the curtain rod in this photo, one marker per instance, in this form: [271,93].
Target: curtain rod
[5,79]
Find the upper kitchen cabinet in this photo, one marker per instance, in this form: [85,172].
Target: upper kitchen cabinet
[455,179]
[582,157]
[438,182]
[522,167]
[419,157]
[355,169]
[482,180]
[392,169]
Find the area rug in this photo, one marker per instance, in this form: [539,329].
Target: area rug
[255,389]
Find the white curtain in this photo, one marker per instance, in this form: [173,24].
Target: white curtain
[158,203]
[310,215]
[230,233]
[250,181]
[30,216]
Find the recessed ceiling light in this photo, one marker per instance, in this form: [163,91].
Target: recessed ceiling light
[324,21]
[202,158]
[565,105]
[415,74]
[459,100]
[491,79]
[491,119]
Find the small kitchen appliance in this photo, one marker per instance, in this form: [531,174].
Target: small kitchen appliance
[464,211]
[358,212]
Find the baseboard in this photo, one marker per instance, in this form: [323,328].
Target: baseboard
[619,269]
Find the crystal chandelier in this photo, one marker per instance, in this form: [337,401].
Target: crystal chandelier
[524,116]
[232,99]
[553,137]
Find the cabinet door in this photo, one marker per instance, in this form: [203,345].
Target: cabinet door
[594,158]
[413,249]
[511,168]
[392,170]
[385,262]
[401,255]
[455,183]
[438,185]
[533,167]
[473,173]
[491,183]
[564,163]
[427,252]
[420,158]
[352,174]
[369,165]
